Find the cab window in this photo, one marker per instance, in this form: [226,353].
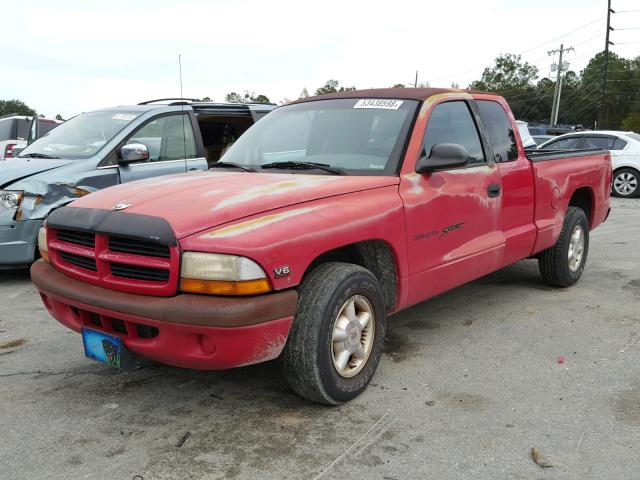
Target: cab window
[452,122]
[500,130]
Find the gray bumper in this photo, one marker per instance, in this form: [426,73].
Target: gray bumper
[18,243]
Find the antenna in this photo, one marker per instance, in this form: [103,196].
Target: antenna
[184,133]
[180,69]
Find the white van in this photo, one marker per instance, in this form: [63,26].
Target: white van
[15,129]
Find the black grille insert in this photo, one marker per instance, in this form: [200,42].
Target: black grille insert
[138,247]
[77,237]
[139,273]
[79,261]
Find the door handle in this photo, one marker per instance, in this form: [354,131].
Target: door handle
[493,190]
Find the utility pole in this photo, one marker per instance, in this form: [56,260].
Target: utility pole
[605,73]
[415,85]
[558,90]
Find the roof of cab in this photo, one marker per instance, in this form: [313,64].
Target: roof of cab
[395,93]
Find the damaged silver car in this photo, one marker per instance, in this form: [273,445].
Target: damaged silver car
[103,148]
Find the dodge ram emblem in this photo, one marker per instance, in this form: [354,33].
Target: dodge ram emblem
[121,206]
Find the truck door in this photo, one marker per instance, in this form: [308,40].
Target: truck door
[453,217]
[170,141]
[517,181]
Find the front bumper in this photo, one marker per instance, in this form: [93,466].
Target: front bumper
[18,243]
[191,331]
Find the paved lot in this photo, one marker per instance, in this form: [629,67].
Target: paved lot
[470,382]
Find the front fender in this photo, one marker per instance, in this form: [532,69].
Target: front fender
[295,236]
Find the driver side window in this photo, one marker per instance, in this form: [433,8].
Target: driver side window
[452,122]
[167,138]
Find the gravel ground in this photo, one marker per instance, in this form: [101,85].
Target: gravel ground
[469,384]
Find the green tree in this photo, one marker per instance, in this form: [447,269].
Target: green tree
[234,97]
[632,122]
[59,117]
[516,81]
[205,99]
[8,107]
[332,86]
[509,73]
[398,85]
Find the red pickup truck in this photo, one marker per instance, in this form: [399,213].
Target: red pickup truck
[324,218]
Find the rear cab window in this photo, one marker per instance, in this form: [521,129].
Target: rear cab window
[500,129]
[452,122]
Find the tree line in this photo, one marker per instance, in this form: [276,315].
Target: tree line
[581,102]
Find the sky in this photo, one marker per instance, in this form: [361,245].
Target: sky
[66,57]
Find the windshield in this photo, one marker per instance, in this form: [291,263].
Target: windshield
[359,137]
[80,137]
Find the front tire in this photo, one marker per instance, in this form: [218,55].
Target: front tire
[626,183]
[336,339]
[562,265]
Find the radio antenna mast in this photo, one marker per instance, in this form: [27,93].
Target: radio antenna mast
[180,69]
[184,133]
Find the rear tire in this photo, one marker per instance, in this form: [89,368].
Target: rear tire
[336,338]
[562,265]
[626,183]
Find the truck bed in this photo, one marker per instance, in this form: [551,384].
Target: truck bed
[564,177]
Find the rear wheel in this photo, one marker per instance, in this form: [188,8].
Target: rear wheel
[562,265]
[626,183]
[337,335]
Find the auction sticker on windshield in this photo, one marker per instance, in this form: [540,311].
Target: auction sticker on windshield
[378,103]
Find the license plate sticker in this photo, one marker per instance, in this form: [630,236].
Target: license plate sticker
[105,348]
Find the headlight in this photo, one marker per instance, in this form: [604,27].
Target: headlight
[10,200]
[220,274]
[42,243]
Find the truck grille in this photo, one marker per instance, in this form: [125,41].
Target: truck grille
[116,262]
[79,261]
[139,273]
[77,237]
[138,247]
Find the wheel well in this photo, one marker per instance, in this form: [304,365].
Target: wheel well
[374,255]
[583,199]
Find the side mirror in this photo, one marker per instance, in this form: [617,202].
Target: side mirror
[442,157]
[133,152]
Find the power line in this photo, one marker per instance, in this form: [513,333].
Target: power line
[521,53]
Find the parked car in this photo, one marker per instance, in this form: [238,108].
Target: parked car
[18,130]
[103,148]
[540,139]
[625,155]
[332,213]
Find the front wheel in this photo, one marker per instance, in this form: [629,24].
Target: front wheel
[337,335]
[626,183]
[562,265]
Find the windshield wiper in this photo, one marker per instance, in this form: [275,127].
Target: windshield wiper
[231,165]
[37,155]
[304,166]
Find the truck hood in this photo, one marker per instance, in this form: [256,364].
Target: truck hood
[18,168]
[196,201]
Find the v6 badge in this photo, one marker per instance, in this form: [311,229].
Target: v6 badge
[283,271]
